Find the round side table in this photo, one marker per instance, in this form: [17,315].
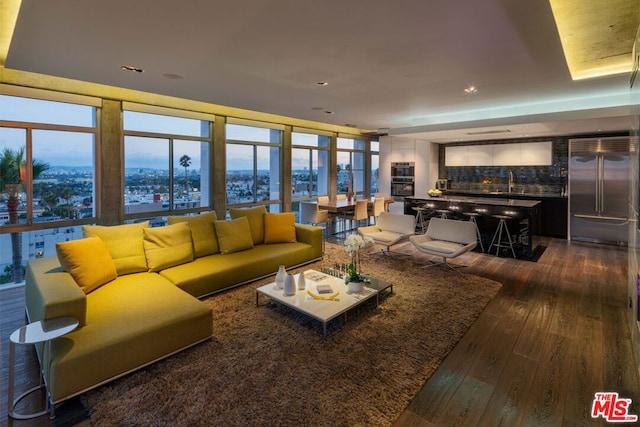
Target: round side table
[42,331]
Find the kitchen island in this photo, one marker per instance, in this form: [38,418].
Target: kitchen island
[553,210]
[523,225]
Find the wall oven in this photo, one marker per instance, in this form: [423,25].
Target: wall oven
[402,187]
[402,170]
[402,176]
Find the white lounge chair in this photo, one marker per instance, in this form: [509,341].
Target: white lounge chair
[447,239]
[391,228]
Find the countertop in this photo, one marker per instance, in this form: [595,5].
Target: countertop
[481,200]
[540,195]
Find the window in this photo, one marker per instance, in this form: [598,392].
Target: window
[47,176]
[309,165]
[253,166]
[350,165]
[166,160]
[375,167]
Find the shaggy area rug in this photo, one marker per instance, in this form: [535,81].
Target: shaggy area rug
[270,366]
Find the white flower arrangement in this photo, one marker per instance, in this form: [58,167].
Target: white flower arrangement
[353,243]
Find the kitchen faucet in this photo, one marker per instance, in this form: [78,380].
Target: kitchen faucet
[512,181]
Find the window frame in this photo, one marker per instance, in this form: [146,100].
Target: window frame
[30,127]
[171,138]
[352,153]
[310,149]
[269,204]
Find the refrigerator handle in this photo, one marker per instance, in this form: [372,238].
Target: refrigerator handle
[597,189]
[601,193]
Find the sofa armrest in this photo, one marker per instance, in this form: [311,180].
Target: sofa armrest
[310,235]
[51,292]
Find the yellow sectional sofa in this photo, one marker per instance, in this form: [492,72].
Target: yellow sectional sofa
[135,289]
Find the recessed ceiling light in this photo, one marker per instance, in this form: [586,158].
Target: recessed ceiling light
[328,111]
[132,68]
[470,90]
[322,83]
[172,76]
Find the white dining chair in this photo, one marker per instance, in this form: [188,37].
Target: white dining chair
[360,213]
[377,208]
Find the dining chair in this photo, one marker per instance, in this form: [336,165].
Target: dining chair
[377,209]
[360,213]
[386,197]
[310,213]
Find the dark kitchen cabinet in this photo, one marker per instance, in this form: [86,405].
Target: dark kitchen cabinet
[554,217]
[552,220]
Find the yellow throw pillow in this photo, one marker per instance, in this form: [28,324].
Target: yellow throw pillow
[88,261]
[255,216]
[234,235]
[203,233]
[124,243]
[168,246]
[280,227]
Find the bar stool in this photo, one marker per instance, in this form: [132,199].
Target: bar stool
[455,211]
[472,217]
[444,213]
[420,213]
[497,240]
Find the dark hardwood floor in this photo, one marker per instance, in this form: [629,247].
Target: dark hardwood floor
[553,336]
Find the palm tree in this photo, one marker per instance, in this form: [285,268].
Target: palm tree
[66,194]
[185,162]
[11,184]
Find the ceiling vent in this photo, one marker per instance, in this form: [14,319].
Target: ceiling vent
[489,132]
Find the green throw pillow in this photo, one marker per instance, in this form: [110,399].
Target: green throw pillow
[234,235]
[203,233]
[255,216]
[280,227]
[168,246]
[124,243]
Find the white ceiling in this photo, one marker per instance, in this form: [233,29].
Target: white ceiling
[399,66]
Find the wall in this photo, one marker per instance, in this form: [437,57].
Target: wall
[403,149]
[633,269]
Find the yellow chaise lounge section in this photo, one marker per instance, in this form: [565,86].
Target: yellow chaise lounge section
[131,322]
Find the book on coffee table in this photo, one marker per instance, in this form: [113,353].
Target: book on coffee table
[315,276]
[324,289]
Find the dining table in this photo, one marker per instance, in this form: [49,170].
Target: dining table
[340,206]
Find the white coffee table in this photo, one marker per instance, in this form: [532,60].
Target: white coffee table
[322,310]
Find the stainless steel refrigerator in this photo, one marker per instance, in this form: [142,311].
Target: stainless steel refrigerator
[599,179]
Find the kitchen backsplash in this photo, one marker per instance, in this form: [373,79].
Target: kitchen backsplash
[527,179]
